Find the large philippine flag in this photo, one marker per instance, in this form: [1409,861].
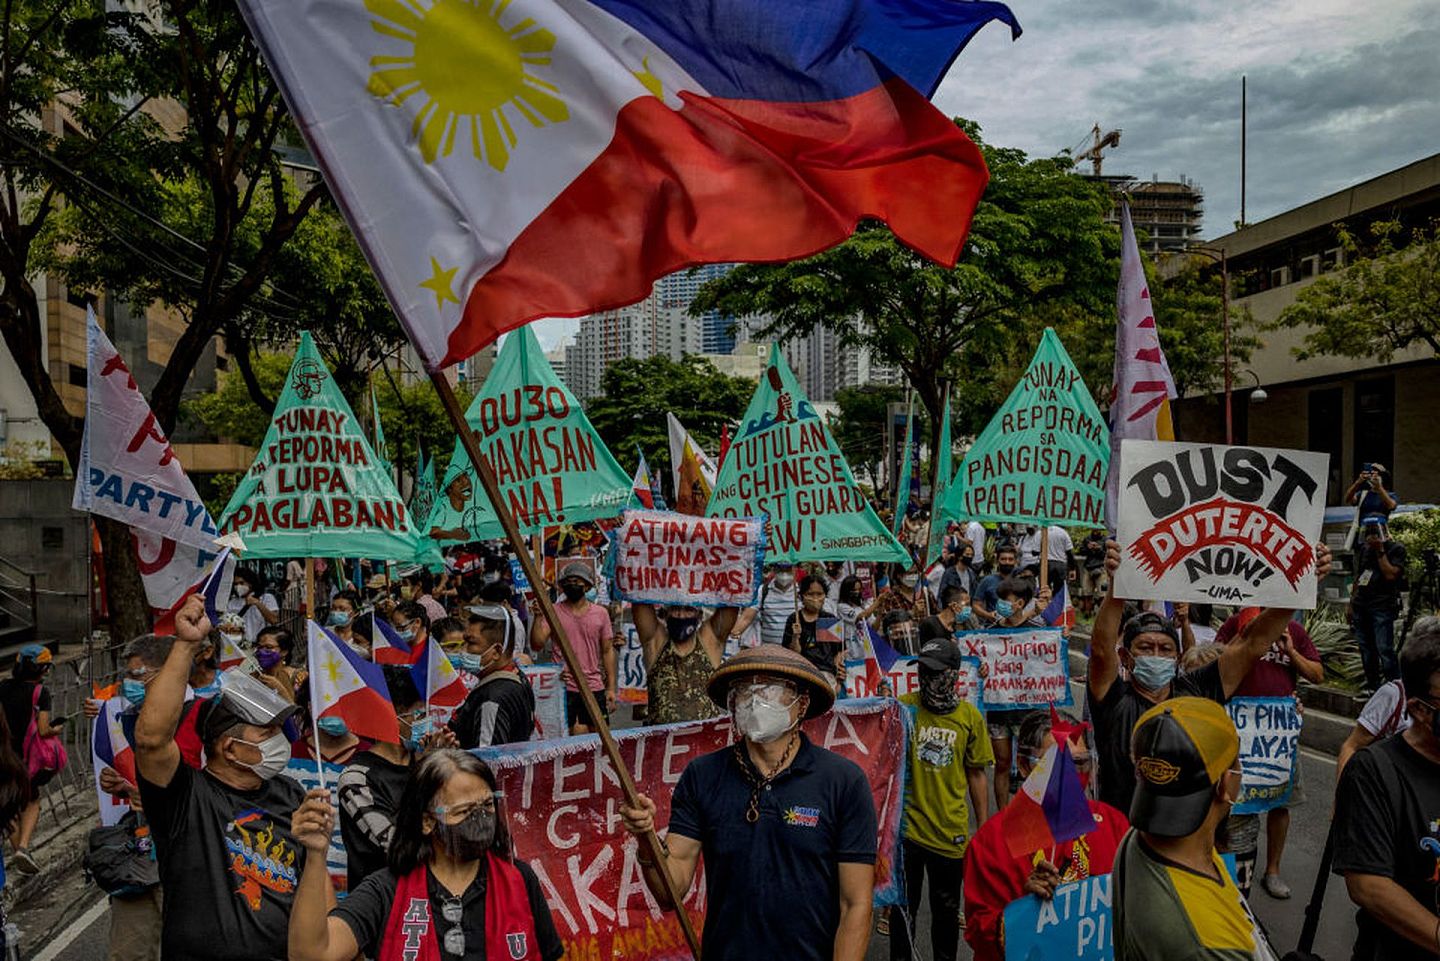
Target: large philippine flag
[504,160]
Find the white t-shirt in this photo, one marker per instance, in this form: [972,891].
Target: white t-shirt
[776,606]
[1385,714]
[975,534]
[254,620]
[1060,545]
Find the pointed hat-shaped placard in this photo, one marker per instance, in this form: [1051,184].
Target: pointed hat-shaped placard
[1043,457]
[551,465]
[316,488]
[783,464]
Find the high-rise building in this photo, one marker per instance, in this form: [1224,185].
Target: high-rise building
[678,290]
[642,330]
[1170,213]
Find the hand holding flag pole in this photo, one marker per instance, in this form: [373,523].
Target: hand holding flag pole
[517,543]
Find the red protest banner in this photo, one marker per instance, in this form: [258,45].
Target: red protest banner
[563,799]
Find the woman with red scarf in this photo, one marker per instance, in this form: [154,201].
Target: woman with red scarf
[994,877]
[450,887]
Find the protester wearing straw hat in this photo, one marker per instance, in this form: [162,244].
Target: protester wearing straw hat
[787,828]
[1174,897]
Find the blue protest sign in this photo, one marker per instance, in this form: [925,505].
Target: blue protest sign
[518,579]
[1073,926]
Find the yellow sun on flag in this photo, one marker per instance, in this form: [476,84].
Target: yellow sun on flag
[467,67]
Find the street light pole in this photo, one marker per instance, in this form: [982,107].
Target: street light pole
[1225,325]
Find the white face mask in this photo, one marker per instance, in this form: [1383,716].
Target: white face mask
[242,590]
[274,755]
[760,719]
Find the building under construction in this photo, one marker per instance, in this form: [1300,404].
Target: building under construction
[1167,212]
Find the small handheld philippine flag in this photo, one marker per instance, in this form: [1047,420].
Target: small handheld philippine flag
[436,678]
[344,685]
[1050,807]
[387,647]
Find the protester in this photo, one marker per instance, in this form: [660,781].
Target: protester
[1092,581]
[222,834]
[26,702]
[801,630]
[273,650]
[852,610]
[1016,605]
[985,597]
[1387,837]
[500,709]
[777,603]
[1291,656]
[451,853]
[255,606]
[588,627]
[994,877]
[787,829]
[954,616]
[1373,503]
[1386,713]
[948,755]
[449,633]
[1375,603]
[901,633]
[1059,554]
[370,787]
[205,674]
[903,593]
[420,584]
[1172,895]
[344,607]
[412,624]
[1149,650]
[338,746]
[975,534]
[680,651]
[14,795]
[959,571]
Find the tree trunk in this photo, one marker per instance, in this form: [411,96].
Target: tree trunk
[124,589]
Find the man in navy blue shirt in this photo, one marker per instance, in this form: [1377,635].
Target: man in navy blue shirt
[788,829]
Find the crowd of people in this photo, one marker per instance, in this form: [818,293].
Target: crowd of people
[287,835]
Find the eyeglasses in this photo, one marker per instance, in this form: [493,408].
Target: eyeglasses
[142,674]
[452,911]
[463,810]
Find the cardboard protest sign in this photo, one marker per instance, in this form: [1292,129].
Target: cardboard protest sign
[1269,729]
[1210,523]
[784,465]
[1074,925]
[316,488]
[634,680]
[1026,666]
[561,799]
[551,466]
[545,681]
[660,557]
[1044,455]
[904,678]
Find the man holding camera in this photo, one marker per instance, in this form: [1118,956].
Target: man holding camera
[1373,503]
[1375,602]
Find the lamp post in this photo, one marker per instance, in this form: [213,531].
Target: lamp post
[1218,255]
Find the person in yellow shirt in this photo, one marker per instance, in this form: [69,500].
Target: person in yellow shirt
[1173,897]
[949,751]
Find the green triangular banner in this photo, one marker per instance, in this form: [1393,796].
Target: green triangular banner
[784,464]
[316,488]
[552,467]
[1043,457]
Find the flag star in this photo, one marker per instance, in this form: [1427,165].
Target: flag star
[441,284]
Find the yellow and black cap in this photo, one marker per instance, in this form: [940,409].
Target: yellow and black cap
[1181,749]
[777,661]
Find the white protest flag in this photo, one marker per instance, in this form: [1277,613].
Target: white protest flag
[129,472]
[1143,387]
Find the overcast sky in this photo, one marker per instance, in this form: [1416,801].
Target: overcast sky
[1340,91]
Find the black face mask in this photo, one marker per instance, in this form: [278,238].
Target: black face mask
[938,691]
[573,592]
[1004,568]
[470,839]
[681,629]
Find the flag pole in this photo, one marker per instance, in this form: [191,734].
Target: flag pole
[314,709]
[930,527]
[547,610]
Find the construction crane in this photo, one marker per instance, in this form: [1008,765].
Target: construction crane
[1095,152]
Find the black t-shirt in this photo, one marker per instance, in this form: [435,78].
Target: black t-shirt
[1385,812]
[367,908]
[15,698]
[228,865]
[369,790]
[774,886]
[932,628]
[501,710]
[820,653]
[1114,717]
[1371,587]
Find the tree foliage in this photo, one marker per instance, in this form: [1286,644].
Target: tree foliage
[1386,301]
[636,394]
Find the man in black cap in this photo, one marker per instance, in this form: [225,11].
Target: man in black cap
[1174,897]
[228,864]
[1149,648]
[788,829]
[587,625]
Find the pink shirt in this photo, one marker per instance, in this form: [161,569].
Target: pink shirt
[588,633]
[433,608]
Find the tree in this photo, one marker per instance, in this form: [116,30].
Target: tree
[1386,301]
[158,140]
[1038,238]
[861,428]
[636,395]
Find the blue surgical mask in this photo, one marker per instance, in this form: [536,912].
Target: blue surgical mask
[1004,608]
[1153,673]
[418,730]
[338,618]
[465,661]
[406,635]
[964,614]
[133,691]
[333,726]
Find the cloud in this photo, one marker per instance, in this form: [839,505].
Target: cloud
[1338,92]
